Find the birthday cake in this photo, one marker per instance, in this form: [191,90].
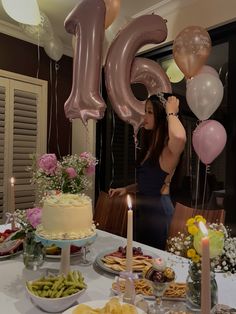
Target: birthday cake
[66,216]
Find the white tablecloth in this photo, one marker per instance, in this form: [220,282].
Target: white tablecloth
[14,300]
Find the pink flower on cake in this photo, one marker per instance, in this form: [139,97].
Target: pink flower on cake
[34,216]
[68,175]
[48,163]
[71,172]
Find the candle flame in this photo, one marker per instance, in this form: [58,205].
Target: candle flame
[203,228]
[129,203]
[12,180]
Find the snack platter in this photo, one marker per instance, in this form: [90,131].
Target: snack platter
[175,292]
[115,264]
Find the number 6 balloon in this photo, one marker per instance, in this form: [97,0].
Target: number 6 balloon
[143,30]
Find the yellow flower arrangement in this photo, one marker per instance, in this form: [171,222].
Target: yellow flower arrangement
[189,244]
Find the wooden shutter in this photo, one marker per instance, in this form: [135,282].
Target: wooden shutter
[22,133]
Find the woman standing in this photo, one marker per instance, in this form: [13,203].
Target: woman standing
[163,139]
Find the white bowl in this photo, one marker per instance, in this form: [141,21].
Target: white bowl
[54,305]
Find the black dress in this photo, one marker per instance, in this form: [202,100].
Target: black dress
[153,210]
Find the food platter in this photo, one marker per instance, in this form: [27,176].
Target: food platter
[175,292]
[75,252]
[96,304]
[99,261]
[4,257]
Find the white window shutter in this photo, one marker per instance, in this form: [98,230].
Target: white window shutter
[23,132]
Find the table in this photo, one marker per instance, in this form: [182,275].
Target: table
[14,300]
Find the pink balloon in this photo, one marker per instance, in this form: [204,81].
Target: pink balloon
[86,22]
[209,139]
[150,74]
[204,94]
[206,69]
[143,30]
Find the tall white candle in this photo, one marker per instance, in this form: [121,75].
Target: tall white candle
[206,273]
[12,195]
[129,246]
[12,202]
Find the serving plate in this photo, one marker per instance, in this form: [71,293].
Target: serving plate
[99,262]
[97,304]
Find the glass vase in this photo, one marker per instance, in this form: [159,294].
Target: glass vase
[193,288]
[33,252]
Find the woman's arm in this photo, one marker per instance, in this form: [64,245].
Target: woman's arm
[176,131]
[132,188]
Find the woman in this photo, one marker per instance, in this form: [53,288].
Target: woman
[163,140]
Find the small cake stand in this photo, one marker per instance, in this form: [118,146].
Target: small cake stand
[65,248]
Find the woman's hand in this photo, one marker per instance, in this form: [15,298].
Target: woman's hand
[172,105]
[117,192]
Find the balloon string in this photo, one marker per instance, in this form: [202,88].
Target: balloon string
[207,170]
[112,155]
[38,55]
[51,101]
[197,183]
[56,103]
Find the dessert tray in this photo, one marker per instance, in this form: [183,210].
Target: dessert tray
[114,263]
[95,305]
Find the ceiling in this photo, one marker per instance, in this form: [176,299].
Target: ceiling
[57,11]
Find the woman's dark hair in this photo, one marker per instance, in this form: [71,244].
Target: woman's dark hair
[154,140]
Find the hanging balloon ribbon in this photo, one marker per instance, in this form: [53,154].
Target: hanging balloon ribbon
[204,95]
[142,30]
[191,49]
[86,22]
[209,139]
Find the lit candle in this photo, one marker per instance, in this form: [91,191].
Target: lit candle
[129,246]
[12,201]
[12,205]
[206,274]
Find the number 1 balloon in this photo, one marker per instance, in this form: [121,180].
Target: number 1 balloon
[86,22]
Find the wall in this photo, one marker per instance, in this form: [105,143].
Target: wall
[21,57]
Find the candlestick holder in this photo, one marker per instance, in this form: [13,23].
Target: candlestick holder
[129,294]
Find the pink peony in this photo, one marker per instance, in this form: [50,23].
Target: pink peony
[48,163]
[34,216]
[90,170]
[71,172]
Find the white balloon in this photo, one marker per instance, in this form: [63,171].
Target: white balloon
[54,48]
[42,32]
[204,95]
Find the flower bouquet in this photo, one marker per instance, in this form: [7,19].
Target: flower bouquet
[188,245]
[69,175]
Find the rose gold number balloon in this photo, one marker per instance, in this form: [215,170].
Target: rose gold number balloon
[86,22]
[143,30]
[191,49]
[150,74]
[112,10]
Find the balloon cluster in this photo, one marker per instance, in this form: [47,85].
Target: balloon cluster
[204,94]
[121,67]
[44,34]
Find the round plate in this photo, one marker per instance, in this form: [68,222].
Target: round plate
[3,257]
[100,264]
[97,304]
